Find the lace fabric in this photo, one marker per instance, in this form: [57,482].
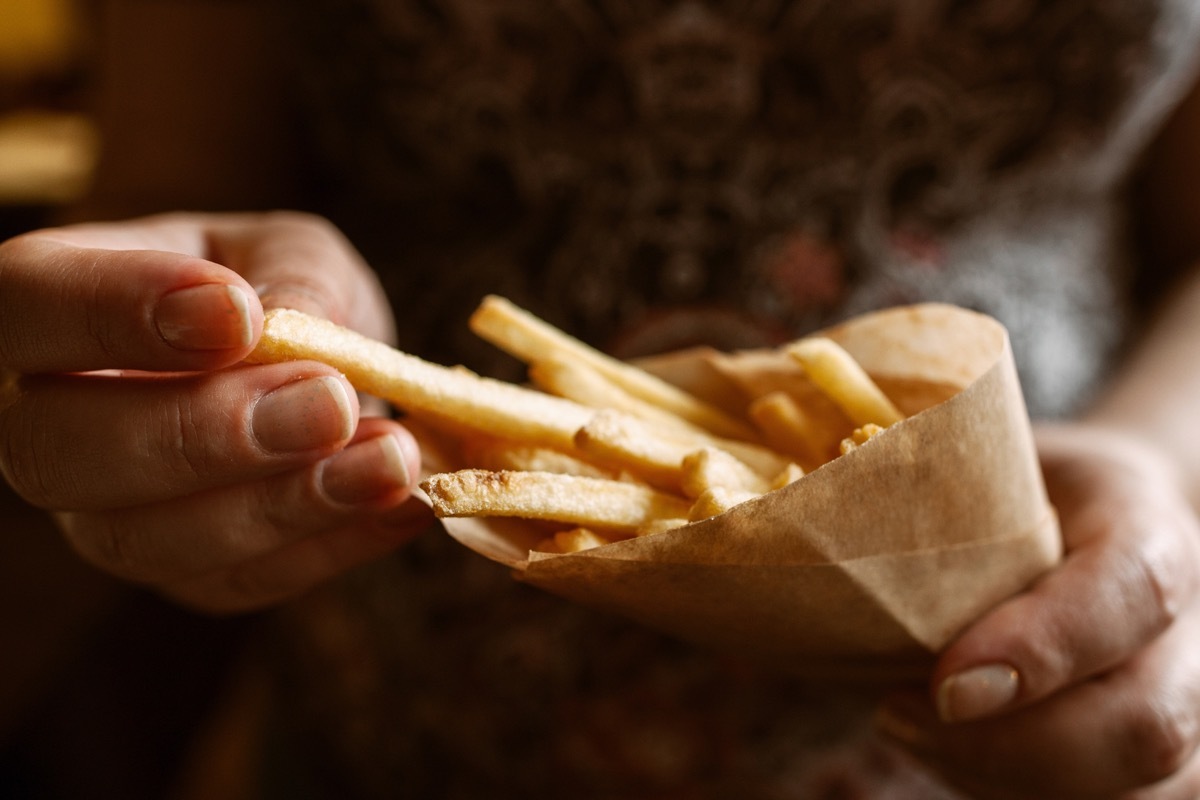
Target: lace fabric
[639,172]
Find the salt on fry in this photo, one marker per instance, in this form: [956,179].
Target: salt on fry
[531,339]
[445,393]
[845,382]
[586,502]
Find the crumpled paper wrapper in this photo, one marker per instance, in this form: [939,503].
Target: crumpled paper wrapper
[865,567]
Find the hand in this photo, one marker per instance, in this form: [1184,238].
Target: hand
[125,410]
[1087,685]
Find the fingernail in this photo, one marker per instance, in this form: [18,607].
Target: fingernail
[214,316]
[304,415]
[977,692]
[366,471]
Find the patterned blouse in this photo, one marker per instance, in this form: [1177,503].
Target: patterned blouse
[652,174]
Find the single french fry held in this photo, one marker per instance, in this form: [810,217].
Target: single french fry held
[474,402]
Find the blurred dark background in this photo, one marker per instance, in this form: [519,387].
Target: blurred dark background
[101,686]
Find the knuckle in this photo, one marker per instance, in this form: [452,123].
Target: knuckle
[304,222]
[1159,740]
[1160,575]
[98,326]
[182,431]
[24,459]
[102,544]
[1160,567]
[1044,656]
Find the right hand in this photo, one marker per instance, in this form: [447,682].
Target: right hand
[126,411]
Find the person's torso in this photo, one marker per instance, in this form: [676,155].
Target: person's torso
[651,175]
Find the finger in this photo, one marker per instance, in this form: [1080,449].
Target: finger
[1134,727]
[1183,785]
[302,261]
[1131,566]
[72,308]
[87,442]
[216,530]
[305,564]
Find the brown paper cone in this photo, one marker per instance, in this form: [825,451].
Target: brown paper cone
[867,565]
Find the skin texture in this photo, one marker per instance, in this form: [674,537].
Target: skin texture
[159,471]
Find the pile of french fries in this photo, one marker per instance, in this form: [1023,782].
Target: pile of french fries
[598,449]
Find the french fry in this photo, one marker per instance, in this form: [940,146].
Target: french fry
[623,442]
[860,437]
[838,375]
[791,474]
[601,447]
[709,468]
[531,339]
[717,500]
[581,382]
[661,525]
[655,454]
[586,502]
[787,428]
[491,453]
[471,401]
[577,540]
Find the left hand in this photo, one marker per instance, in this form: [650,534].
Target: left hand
[1088,684]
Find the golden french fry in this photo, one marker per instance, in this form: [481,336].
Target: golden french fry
[466,399]
[717,500]
[579,539]
[709,468]
[587,502]
[531,339]
[860,437]
[547,545]
[491,453]
[791,474]
[787,427]
[838,375]
[627,443]
[587,386]
[655,454]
